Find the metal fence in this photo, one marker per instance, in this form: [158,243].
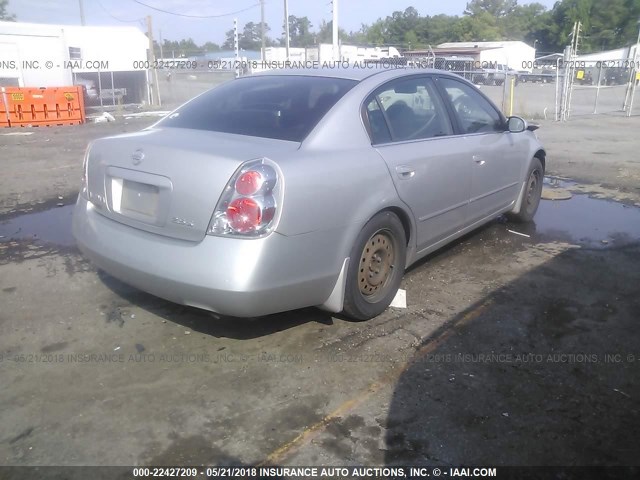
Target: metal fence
[555,89]
[176,87]
[598,87]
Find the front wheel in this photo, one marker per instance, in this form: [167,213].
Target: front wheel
[376,267]
[532,194]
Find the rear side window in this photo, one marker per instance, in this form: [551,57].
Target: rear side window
[279,107]
[407,109]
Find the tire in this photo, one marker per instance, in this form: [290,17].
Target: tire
[532,194]
[376,267]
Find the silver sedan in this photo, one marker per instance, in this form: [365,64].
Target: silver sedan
[291,189]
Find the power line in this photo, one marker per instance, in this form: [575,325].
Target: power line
[116,18]
[196,16]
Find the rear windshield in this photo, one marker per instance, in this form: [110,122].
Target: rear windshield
[280,107]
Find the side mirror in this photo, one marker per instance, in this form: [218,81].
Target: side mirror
[516,125]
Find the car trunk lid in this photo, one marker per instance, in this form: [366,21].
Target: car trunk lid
[168,180]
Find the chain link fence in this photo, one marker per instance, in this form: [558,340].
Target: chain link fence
[598,87]
[555,89]
[176,87]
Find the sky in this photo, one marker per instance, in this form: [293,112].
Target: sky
[352,13]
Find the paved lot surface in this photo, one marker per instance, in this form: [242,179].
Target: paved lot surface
[514,350]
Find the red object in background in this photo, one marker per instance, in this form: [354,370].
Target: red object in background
[22,107]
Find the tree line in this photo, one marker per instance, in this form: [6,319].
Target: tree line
[606,24]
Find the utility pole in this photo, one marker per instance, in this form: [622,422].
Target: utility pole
[160,43]
[262,32]
[82,22]
[236,47]
[150,57]
[631,86]
[286,26]
[570,73]
[336,53]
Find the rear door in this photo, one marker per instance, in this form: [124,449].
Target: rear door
[495,153]
[412,131]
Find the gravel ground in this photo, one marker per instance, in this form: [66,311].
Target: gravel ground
[519,344]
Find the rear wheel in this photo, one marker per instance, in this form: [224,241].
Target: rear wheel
[376,267]
[532,194]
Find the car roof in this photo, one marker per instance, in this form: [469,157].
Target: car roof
[350,73]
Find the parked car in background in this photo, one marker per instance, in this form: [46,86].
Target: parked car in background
[291,189]
[615,76]
[496,74]
[541,76]
[584,77]
[462,66]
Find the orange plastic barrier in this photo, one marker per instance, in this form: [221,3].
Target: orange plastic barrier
[41,106]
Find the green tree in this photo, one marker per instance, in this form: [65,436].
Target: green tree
[524,21]
[629,26]
[300,34]
[4,14]
[376,34]
[249,39]
[495,8]
[359,37]
[325,33]
[438,29]
[399,24]
[565,14]
[605,24]
[612,24]
[211,47]
[481,27]
[411,40]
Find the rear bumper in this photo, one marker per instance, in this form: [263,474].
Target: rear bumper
[237,277]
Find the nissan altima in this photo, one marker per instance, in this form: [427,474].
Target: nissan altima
[290,189]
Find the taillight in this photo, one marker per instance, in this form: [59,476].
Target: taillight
[249,203]
[244,214]
[249,182]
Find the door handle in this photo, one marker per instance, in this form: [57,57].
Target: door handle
[405,171]
[479,160]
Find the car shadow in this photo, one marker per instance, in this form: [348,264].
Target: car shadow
[450,248]
[542,372]
[216,325]
[212,324]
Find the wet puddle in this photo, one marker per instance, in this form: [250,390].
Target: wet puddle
[51,226]
[581,220]
[591,222]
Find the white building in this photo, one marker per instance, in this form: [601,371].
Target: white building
[617,55]
[515,54]
[279,54]
[42,55]
[324,53]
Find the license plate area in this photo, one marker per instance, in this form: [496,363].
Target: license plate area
[139,198]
